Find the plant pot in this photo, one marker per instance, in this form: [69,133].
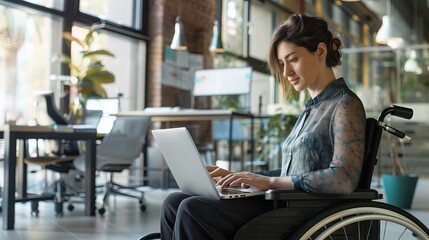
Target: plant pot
[399,190]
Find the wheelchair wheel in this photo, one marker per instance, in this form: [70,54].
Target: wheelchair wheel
[368,220]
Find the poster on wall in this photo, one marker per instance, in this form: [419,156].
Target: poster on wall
[179,67]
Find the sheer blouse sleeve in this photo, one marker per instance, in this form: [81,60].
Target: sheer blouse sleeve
[347,132]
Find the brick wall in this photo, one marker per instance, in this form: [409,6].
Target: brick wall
[197,18]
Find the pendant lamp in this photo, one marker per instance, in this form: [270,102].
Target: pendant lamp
[178,42]
[413,64]
[388,33]
[216,45]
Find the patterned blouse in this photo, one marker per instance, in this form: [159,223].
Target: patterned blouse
[325,149]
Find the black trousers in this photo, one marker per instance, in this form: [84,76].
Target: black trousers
[185,217]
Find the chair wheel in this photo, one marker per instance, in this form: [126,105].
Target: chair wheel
[101,211]
[34,208]
[59,209]
[70,207]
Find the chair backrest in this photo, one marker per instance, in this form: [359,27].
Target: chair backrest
[52,109]
[125,141]
[220,130]
[372,141]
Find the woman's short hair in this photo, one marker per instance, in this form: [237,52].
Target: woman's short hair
[307,32]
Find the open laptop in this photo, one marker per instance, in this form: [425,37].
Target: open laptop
[188,169]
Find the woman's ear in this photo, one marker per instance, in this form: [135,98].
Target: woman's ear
[322,50]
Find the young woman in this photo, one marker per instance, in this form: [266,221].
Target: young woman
[322,154]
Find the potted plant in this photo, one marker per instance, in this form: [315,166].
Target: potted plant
[88,72]
[271,136]
[399,185]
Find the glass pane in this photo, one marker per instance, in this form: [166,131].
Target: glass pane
[128,66]
[27,44]
[383,76]
[414,84]
[120,12]
[260,31]
[233,25]
[55,4]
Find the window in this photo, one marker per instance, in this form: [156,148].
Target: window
[31,41]
[260,30]
[26,50]
[55,4]
[120,12]
[233,26]
[127,65]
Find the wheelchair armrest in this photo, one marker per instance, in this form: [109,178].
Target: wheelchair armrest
[287,195]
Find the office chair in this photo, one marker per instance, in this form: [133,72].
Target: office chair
[57,156]
[300,215]
[117,152]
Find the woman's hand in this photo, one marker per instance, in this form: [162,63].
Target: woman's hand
[217,173]
[245,179]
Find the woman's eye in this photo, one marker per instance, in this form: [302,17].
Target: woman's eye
[292,60]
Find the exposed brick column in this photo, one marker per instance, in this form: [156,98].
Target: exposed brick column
[197,17]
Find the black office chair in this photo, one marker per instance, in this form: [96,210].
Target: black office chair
[300,215]
[60,156]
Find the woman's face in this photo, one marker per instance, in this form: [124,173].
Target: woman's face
[299,66]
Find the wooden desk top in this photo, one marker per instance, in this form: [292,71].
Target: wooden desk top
[172,114]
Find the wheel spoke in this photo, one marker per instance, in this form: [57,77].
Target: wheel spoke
[365,222]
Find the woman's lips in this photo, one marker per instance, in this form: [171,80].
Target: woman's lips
[294,81]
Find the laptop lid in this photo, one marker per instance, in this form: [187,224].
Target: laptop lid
[187,167]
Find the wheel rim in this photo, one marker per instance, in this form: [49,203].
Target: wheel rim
[358,214]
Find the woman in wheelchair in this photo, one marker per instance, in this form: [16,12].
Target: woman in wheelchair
[323,153]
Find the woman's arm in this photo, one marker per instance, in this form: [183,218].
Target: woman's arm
[348,135]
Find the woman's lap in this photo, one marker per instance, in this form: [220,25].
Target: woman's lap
[207,217]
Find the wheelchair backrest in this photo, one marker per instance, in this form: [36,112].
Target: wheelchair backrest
[372,141]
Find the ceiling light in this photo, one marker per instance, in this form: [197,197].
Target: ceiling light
[413,64]
[216,45]
[178,42]
[388,34]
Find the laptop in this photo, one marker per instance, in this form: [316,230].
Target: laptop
[188,169]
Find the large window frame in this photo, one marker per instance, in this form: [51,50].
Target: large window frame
[71,16]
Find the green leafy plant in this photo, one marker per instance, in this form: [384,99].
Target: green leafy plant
[272,134]
[89,71]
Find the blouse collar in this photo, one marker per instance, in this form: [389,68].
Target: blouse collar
[326,93]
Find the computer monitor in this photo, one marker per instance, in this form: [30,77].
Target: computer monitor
[222,81]
[109,106]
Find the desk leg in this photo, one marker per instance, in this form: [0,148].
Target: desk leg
[9,182]
[22,170]
[90,177]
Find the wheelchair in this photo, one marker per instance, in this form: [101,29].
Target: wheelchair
[361,215]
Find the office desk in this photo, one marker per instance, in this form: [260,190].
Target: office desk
[172,115]
[12,133]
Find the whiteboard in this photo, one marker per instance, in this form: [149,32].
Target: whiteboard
[222,81]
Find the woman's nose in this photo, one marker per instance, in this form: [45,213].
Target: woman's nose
[286,70]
